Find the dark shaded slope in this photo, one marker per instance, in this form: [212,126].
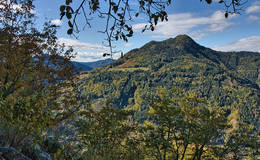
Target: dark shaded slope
[81,67]
[87,66]
[100,63]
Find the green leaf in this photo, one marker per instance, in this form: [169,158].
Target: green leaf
[68,2]
[62,15]
[106,54]
[68,15]
[69,9]
[70,24]
[209,1]
[129,35]
[152,28]
[141,3]
[155,20]
[226,15]
[115,8]
[70,31]
[113,3]
[62,8]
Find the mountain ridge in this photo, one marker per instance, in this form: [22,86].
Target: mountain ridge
[188,46]
[228,78]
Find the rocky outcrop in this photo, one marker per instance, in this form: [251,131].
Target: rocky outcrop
[10,153]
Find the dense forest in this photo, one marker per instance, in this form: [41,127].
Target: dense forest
[228,78]
[172,99]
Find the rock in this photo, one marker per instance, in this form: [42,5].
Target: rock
[34,151]
[10,153]
[1,158]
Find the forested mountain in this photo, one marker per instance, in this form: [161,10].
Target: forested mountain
[167,100]
[226,78]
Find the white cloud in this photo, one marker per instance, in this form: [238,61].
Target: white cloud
[197,35]
[253,18]
[139,26]
[245,44]
[128,44]
[88,56]
[254,8]
[86,52]
[56,22]
[187,23]
[91,56]
[83,46]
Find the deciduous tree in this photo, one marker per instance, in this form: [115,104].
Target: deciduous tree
[184,126]
[36,75]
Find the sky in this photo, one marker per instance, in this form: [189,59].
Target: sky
[206,24]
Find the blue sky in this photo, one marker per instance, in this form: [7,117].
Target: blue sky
[205,23]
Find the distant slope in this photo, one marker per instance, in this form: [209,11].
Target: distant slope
[87,66]
[81,67]
[229,78]
[100,63]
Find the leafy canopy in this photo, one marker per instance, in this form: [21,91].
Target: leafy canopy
[36,75]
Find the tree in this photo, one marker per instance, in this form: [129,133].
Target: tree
[106,133]
[36,76]
[119,15]
[184,126]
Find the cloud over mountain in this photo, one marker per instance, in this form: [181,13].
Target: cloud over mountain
[86,52]
[76,44]
[187,23]
[245,44]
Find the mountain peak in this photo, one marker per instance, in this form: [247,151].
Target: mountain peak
[183,37]
[181,40]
